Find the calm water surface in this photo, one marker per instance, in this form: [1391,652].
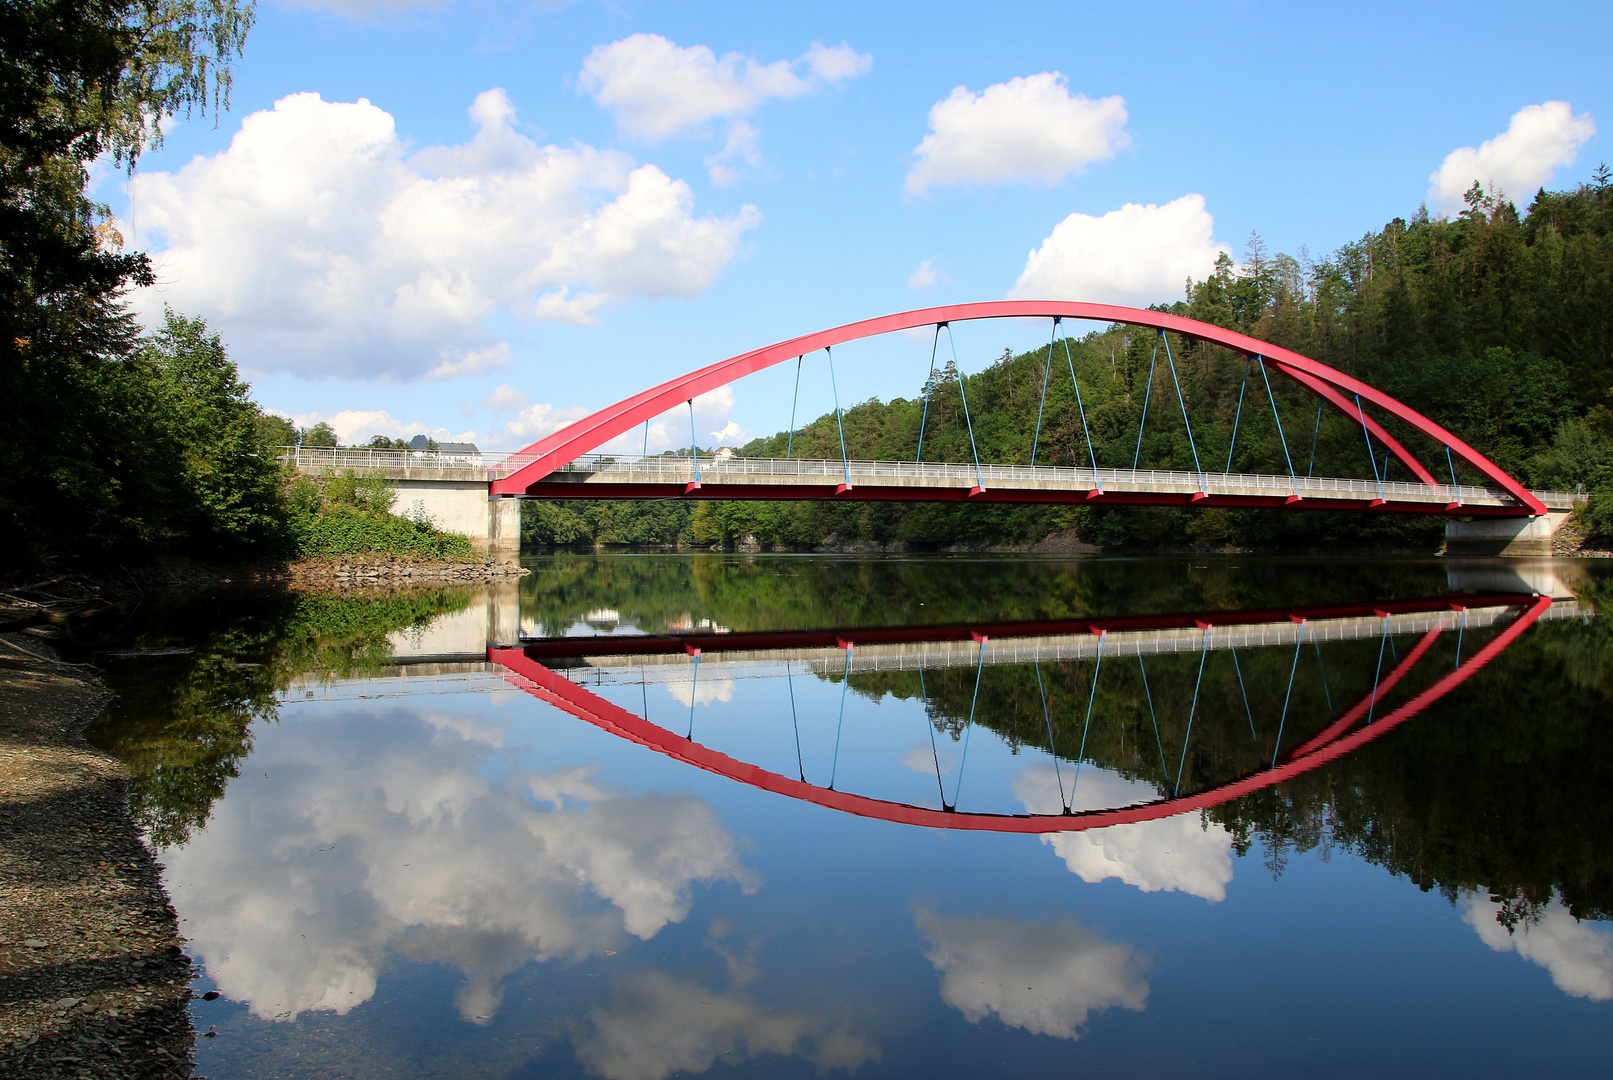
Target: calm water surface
[940,817]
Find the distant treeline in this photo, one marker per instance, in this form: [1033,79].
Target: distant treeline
[1498,326]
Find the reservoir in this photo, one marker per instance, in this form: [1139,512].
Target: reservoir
[650,815]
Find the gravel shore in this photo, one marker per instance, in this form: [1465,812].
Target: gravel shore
[93,976]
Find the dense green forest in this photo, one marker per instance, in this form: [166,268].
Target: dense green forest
[1498,325]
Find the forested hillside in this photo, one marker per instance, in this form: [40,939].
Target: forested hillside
[1498,325]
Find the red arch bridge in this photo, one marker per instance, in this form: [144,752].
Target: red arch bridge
[560,671]
[565,464]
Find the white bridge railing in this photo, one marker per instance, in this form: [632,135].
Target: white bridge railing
[681,469]
[340,457]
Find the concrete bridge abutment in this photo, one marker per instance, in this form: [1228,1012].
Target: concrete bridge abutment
[1530,537]
[463,507]
[456,500]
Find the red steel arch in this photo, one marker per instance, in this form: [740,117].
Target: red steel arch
[536,461]
[549,686]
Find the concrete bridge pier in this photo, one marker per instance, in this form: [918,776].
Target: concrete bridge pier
[504,529]
[1504,536]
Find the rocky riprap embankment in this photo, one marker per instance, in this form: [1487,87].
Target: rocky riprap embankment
[1570,540]
[390,571]
[93,977]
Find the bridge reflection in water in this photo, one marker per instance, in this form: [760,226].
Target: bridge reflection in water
[1451,638]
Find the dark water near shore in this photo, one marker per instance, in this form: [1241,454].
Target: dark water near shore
[1375,834]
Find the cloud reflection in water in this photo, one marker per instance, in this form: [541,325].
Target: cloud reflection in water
[657,1025]
[1046,978]
[400,832]
[1181,853]
[1578,956]
[689,694]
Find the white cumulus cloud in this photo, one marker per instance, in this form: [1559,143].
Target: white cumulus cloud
[516,421]
[740,149]
[318,243]
[731,433]
[673,430]
[1175,854]
[656,88]
[504,399]
[354,426]
[1030,128]
[924,277]
[1578,957]
[1539,140]
[1139,254]
[1047,978]
[476,362]
[533,422]
[526,423]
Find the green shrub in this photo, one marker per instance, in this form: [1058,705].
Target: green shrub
[350,514]
[1597,514]
[339,529]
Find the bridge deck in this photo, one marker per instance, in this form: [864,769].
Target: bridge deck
[600,477]
[596,476]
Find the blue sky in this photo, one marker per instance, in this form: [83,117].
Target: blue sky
[539,209]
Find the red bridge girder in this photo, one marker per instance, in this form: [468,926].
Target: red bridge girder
[541,458]
[549,686]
